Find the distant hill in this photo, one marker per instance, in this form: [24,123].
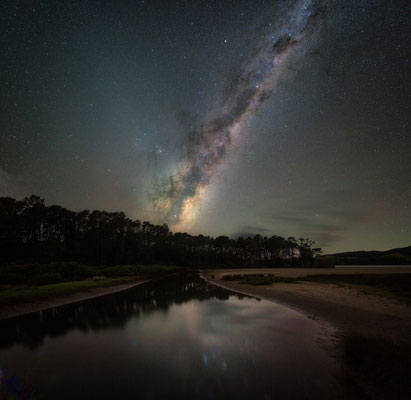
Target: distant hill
[399,256]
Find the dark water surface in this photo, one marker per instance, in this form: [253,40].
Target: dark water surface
[175,338]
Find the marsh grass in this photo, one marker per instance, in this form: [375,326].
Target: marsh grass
[259,279]
[31,282]
[20,294]
[56,272]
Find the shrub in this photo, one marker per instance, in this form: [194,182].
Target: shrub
[72,270]
[48,278]
[12,278]
[236,277]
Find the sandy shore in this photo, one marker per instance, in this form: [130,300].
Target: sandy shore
[26,308]
[345,309]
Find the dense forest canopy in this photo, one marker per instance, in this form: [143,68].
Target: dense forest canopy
[32,231]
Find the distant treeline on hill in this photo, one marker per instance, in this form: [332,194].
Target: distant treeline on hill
[399,256]
[31,231]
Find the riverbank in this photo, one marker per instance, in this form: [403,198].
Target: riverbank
[14,302]
[346,308]
[370,334]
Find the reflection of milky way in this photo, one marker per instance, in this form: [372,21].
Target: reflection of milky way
[175,200]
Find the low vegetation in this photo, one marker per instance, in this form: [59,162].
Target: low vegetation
[258,279]
[21,294]
[33,282]
[57,272]
[396,286]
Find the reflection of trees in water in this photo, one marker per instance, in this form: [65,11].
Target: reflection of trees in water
[110,311]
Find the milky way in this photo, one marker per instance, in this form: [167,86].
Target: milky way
[234,117]
[282,37]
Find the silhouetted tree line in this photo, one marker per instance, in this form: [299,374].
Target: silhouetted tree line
[32,231]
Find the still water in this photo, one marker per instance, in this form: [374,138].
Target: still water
[174,338]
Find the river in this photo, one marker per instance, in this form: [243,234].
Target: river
[178,337]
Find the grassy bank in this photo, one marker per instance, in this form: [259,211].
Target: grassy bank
[396,286]
[20,283]
[22,294]
[57,272]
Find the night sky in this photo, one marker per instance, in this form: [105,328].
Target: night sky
[215,117]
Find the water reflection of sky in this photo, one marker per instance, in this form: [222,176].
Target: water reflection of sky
[215,346]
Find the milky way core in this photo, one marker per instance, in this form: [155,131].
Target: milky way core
[281,40]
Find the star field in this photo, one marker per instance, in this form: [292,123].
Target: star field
[216,117]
